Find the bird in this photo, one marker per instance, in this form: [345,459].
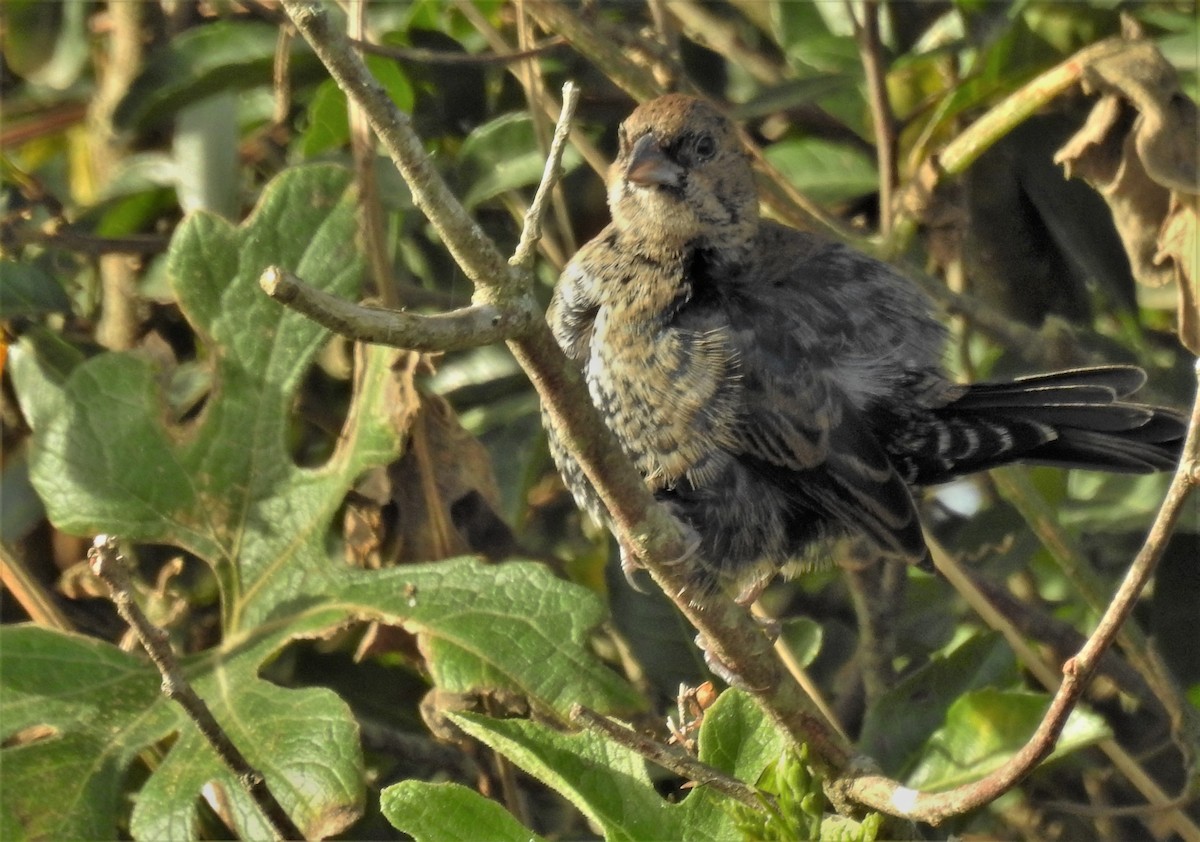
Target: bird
[776,389]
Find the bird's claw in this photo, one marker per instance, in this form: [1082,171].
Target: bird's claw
[631,564]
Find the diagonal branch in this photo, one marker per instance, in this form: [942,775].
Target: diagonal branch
[884,794]
[733,636]
[471,248]
[108,564]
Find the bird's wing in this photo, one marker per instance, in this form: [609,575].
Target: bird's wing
[576,299]
[810,437]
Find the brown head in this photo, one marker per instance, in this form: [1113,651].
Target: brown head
[681,176]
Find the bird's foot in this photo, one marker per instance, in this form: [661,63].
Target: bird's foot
[631,564]
[630,567]
[771,628]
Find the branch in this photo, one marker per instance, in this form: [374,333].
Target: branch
[29,592]
[1018,489]
[417,55]
[979,597]
[466,241]
[468,327]
[635,80]
[109,565]
[668,757]
[886,795]
[16,235]
[640,523]
[981,135]
[882,117]
[531,231]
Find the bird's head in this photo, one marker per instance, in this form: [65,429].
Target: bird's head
[682,177]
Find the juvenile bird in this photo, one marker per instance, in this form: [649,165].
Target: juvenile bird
[774,388]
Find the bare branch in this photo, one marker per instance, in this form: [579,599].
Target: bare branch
[29,592]
[669,757]
[372,227]
[109,565]
[886,795]
[469,327]
[416,55]
[882,118]
[63,237]
[470,247]
[532,230]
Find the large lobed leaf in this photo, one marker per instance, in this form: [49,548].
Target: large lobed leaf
[104,459]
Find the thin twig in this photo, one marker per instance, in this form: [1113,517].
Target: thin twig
[29,593]
[1018,489]
[68,239]
[469,327]
[882,118]
[635,80]
[1059,636]
[1048,675]
[981,135]
[109,565]
[416,55]
[531,231]
[282,80]
[668,757]
[883,794]
[579,139]
[792,664]
[722,35]
[371,226]
[471,248]
[541,112]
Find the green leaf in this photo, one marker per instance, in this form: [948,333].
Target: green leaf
[901,720]
[28,290]
[224,489]
[503,155]
[448,812]
[328,119]
[824,170]
[513,626]
[105,458]
[46,43]
[803,636]
[737,738]
[607,782]
[985,728]
[222,56]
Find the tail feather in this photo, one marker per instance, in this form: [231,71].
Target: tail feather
[1122,380]
[1074,419]
[1105,452]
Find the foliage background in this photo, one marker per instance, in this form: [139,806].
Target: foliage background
[286,497]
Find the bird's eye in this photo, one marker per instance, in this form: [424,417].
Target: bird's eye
[706,146]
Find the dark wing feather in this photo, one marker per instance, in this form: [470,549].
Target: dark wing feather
[818,448]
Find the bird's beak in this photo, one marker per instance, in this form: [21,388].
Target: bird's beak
[649,166]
